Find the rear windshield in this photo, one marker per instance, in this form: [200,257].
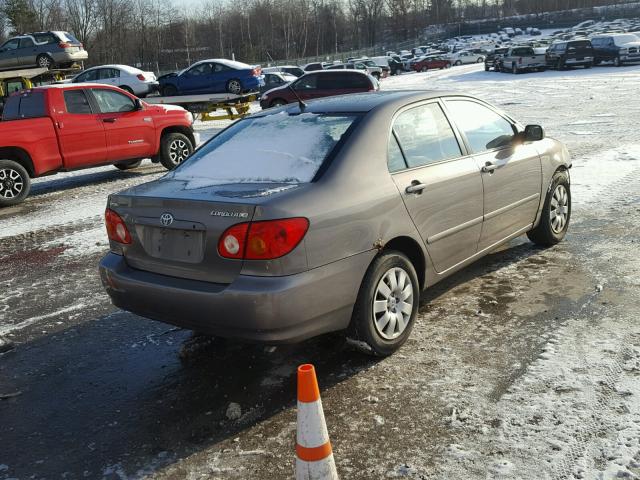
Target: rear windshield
[25,105]
[68,37]
[279,148]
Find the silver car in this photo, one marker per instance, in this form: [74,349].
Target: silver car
[42,49]
[332,216]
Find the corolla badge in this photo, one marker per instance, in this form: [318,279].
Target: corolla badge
[218,213]
[166,219]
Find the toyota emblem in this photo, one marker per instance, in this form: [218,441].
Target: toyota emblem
[166,219]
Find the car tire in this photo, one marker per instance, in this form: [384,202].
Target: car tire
[368,328]
[514,69]
[169,91]
[174,149]
[44,61]
[424,69]
[617,62]
[458,63]
[556,213]
[234,86]
[14,183]
[447,65]
[128,165]
[278,102]
[560,65]
[486,68]
[127,89]
[480,60]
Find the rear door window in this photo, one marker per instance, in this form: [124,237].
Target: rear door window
[484,128]
[425,135]
[76,102]
[356,81]
[279,148]
[26,42]
[26,105]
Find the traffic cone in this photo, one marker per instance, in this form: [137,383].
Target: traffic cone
[314,457]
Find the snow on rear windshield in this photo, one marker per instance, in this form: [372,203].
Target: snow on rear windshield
[279,148]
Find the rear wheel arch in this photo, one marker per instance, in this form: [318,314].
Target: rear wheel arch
[20,156]
[414,253]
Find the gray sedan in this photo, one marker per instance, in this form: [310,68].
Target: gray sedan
[332,216]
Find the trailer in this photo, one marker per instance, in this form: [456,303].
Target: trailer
[208,107]
[15,80]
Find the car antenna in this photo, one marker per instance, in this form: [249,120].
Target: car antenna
[301,104]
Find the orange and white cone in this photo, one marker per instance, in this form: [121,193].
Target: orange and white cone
[314,457]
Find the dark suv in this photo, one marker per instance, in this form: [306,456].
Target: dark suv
[320,84]
[619,48]
[570,53]
[493,59]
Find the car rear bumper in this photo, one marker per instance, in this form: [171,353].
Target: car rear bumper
[261,309]
[66,57]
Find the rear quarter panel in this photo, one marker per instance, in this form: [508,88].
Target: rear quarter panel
[553,156]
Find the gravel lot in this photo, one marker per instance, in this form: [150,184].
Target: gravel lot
[525,365]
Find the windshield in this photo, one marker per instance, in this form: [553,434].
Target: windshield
[622,39]
[279,148]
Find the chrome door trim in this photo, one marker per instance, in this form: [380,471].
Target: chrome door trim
[506,208]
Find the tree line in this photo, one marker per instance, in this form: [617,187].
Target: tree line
[165,34]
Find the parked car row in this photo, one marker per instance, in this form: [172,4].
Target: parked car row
[618,48]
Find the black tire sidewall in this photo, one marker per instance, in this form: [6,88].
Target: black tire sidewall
[543,234]
[128,165]
[169,91]
[165,143]
[362,328]
[25,179]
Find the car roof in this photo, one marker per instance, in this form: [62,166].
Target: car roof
[224,61]
[126,68]
[71,86]
[366,101]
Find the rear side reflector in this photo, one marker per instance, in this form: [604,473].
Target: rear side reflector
[265,240]
[116,228]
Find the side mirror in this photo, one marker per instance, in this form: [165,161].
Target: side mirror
[533,133]
[138,104]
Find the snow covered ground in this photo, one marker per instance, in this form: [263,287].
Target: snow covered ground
[525,366]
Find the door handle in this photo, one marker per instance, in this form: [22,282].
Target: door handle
[489,167]
[109,120]
[416,187]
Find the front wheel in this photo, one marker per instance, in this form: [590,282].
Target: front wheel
[387,304]
[14,183]
[556,213]
[174,149]
[458,63]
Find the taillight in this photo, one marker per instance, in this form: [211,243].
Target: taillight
[141,77]
[232,241]
[64,45]
[256,72]
[264,240]
[116,228]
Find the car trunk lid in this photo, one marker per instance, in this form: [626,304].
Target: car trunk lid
[176,233]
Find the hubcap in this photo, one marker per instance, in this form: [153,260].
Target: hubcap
[559,209]
[178,151]
[235,86]
[393,303]
[11,183]
[44,62]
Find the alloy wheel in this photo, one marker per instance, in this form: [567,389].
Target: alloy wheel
[235,87]
[178,151]
[559,211]
[11,183]
[393,303]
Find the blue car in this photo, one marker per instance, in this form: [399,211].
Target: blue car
[212,76]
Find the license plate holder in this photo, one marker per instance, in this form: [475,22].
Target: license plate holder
[174,244]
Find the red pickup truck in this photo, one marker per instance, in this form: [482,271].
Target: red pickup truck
[67,127]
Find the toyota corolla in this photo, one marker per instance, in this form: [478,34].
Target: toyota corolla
[332,216]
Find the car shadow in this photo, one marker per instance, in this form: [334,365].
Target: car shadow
[60,183]
[120,390]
